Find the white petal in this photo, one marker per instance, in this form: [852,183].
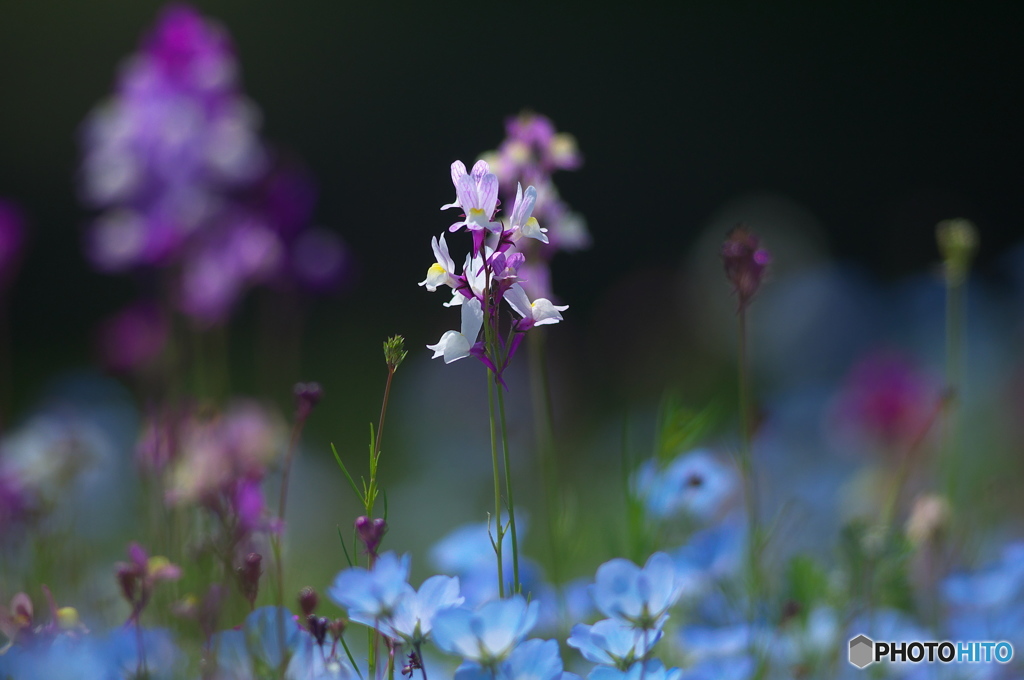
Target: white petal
[458,170]
[546,313]
[480,168]
[517,299]
[441,347]
[445,257]
[532,229]
[472,320]
[488,194]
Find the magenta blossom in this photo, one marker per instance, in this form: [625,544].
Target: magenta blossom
[12,238]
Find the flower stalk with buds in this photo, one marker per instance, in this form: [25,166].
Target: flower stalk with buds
[491,275]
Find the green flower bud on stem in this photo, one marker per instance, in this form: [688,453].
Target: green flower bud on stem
[958,242]
[394,352]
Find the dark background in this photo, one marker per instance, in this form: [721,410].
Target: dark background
[879,119]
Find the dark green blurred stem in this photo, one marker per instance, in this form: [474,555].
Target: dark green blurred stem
[275,540]
[370,498]
[543,420]
[954,357]
[516,586]
[423,665]
[380,423]
[491,377]
[746,440]
[497,482]
[754,574]
[278,350]
[141,670]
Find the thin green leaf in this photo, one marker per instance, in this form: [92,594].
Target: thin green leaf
[347,558]
[351,660]
[345,470]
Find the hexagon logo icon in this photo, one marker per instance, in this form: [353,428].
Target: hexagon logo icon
[862,651]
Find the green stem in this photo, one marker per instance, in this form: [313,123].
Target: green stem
[749,485]
[746,441]
[954,354]
[516,587]
[497,482]
[543,421]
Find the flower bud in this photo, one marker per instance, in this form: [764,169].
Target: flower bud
[928,518]
[318,627]
[958,242]
[337,628]
[67,618]
[307,601]
[745,263]
[307,395]
[249,577]
[370,532]
[127,578]
[394,352]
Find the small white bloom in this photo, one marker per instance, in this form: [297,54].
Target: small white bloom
[541,311]
[455,345]
[441,273]
[523,224]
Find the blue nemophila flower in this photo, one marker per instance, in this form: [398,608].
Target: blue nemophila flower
[414,614]
[641,597]
[649,670]
[257,645]
[488,634]
[704,643]
[255,650]
[94,657]
[468,548]
[532,660]
[369,595]
[695,483]
[612,642]
[715,552]
[733,668]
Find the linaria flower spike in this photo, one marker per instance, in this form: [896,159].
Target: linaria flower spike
[745,263]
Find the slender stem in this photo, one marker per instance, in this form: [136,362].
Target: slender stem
[497,482]
[746,431]
[490,343]
[293,445]
[749,485]
[419,658]
[275,542]
[516,586]
[383,412]
[954,355]
[141,670]
[543,420]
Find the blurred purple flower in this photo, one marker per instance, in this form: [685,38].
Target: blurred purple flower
[745,263]
[176,166]
[15,501]
[886,401]
[177,134]
[133,338]
[530,153]
[216,454]
[12,237]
